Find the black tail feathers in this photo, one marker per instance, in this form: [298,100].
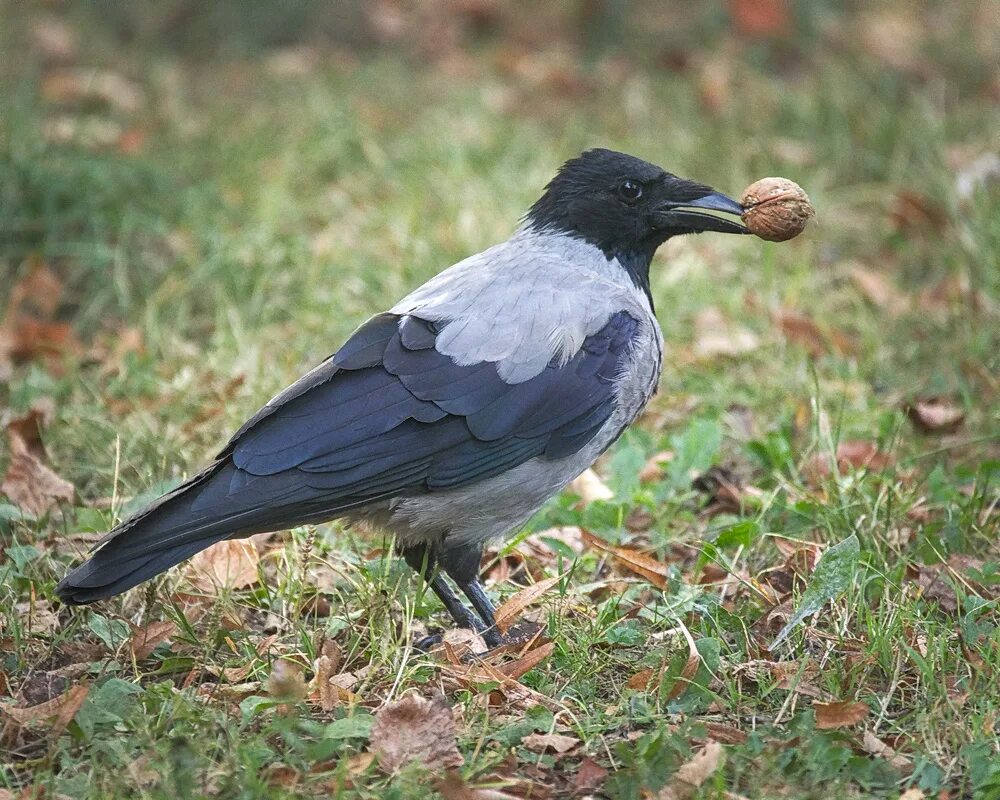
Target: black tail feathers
[204,510]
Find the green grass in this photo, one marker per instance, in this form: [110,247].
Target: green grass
[265,217]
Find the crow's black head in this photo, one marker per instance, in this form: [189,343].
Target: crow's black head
[628,207]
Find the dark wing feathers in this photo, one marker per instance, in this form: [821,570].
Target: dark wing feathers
[386,415]
[416,413]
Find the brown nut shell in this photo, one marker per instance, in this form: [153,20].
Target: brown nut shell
[776,209]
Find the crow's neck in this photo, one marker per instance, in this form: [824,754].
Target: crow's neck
[635,261]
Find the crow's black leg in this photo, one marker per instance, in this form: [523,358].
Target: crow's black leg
[422,560]
[462,566]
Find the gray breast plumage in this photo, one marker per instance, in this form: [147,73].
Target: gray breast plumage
[531,300]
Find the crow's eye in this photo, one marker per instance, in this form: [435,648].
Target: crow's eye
[629,191]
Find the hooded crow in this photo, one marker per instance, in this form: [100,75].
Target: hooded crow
[451,418]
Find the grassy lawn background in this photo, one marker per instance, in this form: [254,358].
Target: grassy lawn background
[264,182]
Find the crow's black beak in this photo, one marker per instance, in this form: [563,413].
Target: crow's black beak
[690,216]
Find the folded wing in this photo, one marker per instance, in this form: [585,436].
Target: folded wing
[387,415]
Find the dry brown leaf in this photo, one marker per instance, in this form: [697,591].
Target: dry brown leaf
[37,616]
[876,747]
[512,608]
[913,793]
[589,487]
[38,292]
[851,455]
[760,18]
[693,773]
[641,679]
[725,734]
[521,666]
[935,415]
[936,581]
[330,658]
[801,330]
[286,681]
[56,713]
[453,787]
[717,336]
[688,672]
[230,564]
[917,213]
[147,638]
[75,85]
[550,743]
[30,483]
[839,714]
[461,642]
[633,560]
[589,776]
[414,728]
[27,329]
[878,290]
[501,681]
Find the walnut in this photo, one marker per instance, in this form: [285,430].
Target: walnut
[776,209]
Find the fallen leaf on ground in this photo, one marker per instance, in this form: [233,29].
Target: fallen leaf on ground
[935,415]
[81,85]
[37,616]
[589,776]
[452,786]
[725,734]
[689,670]
[589,487]
[512,608]
[760,18]
[517,668]
[461,642]
[500,682]
[641,679]
[878,290]
[918,214]
[714,335]
[146,639]
[230,564]
[29,483]
[800,330]
[550,743]
[839,715]
[913,793]
[937,581]
[633,560]
[692,774]
[876,747]
[56,713]
[850,455]
[415,729]
[330,658]
[28,330]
